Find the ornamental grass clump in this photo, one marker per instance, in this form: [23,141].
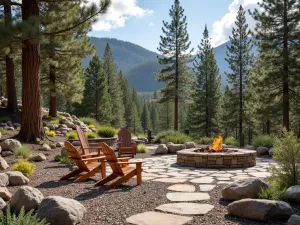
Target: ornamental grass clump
[89,121]
[25,167]
[22,218]
[22,152]
[63,159]
[263,141]
[231,141]
[165,136]
[50,133]
[3,131]
[71,135]
[90,135]
[106,131]
[176,139]
[141,148]
[206,140]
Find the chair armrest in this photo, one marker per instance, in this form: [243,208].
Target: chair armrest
[94,158]
[124,159]
[96,147]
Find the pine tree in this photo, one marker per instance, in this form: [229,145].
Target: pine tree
[96,101]
[154,117]
[135,119]
[166,116]
[110,69]
[145,118]
[137,100]
[277,30]
[62,54]
[174,46]
[202,117]
[127,99]
[239,58]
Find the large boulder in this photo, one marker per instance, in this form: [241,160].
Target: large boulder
[59,144]
[63,211]
[46,147]
[4,181]
[245,188]
[293,193]
[173,148]
[37,158]
[294,220]
[161,149]
[10,144]
[2,204]
[260,209]
[3,164]
[5,194]
[250,147]
[16,178]
[64,152]
[27,197]
[262,151]
[271,151]
[189,145]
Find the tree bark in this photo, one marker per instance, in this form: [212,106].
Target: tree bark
[31,125]
[286,100]
[52,89]
[268,127]
[12,103]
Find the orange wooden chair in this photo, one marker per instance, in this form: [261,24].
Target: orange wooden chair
[120,169]
[125,145]
[89,165]
[85,147]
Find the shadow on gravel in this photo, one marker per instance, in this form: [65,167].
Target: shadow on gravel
[95,192]
[244,221]
[224,202]
[58,166]
[54,184]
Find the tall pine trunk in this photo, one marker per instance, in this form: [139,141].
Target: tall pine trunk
[12,103]
[52,90]
[31,127]
[176,90]
[286,101]
[241,134]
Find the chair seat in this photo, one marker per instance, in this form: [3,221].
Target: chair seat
[92,165]
[128,169]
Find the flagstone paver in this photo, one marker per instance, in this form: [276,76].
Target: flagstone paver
[187,197]
[260,174]
[203,180]
[182,188]
[206,187]
[154,170]
[171,180]
[156,218]
[223,178]
[185,208]
[224,182]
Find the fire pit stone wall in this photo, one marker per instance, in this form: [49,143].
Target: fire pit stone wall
[239,158]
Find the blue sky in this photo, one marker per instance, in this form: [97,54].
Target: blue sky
[140,21]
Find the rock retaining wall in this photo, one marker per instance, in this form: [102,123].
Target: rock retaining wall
[242,158]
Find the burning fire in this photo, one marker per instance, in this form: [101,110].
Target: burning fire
[217,144]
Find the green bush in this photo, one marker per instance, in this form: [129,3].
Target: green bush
[4,119]
[63,159]
[59,116]
[263,141]
[54,121]
[50,133]
[176,139]
[89,121]
[106,131]
[91,126]
[71,135]
[90,134]
[23,151]
[18,128]
[287,154]
[3,131]
[24,167]
[272,193]
[231,141]
[141,148]
[161,137]
[23,218]
[206,140]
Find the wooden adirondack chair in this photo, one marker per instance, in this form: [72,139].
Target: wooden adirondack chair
[125,145]
[89,165]
[120,169]
[86,149]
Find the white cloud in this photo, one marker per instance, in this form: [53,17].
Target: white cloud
[222,29]
[118,13]
[151,24]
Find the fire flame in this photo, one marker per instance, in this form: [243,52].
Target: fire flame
[217,144]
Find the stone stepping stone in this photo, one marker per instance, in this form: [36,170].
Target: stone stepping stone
[156,218]
[182,188]
[149,174]
[187,197]
[260,174]
[203,180]
[185,208]
[174,174]
[171,180]
[224,182]
[222,175]
[223,178]
[206,187]
[154,170]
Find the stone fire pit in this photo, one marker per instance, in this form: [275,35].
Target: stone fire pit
[232,159]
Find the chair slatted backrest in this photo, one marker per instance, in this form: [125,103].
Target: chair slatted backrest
[124,137]
[111,158]
[83,140]
[74,154]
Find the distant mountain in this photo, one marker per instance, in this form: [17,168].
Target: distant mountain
[140,64]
